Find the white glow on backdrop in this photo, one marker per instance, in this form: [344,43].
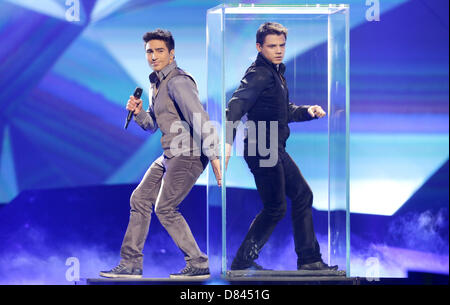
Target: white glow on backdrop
[104,8]
[381,196]
[125,45]
[385,169]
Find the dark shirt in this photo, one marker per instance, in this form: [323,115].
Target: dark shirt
[263,95]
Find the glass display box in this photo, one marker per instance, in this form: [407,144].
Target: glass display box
[317,73]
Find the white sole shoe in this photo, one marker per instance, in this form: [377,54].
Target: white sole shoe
[125,276]
[190,277]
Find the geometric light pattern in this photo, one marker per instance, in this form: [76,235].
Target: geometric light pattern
[70,115]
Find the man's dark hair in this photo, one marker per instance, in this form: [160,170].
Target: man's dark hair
[163,35]
[270,28]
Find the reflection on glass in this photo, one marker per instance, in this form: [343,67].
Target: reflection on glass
[317,67]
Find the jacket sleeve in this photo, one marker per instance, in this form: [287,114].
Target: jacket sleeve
[147,120]
[298,113]
[255,81]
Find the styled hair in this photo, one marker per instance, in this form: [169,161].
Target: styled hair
[270,28]
[160,34]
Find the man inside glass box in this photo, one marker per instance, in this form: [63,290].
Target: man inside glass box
[263,96]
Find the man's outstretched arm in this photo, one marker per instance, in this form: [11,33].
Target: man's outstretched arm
[304,112]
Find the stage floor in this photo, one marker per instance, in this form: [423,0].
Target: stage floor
[245,277]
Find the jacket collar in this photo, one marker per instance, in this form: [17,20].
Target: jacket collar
[262,60]
[156,77]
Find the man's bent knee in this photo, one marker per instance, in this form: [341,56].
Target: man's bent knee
[140,204]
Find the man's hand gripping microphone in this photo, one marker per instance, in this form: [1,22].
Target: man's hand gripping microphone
[137,94]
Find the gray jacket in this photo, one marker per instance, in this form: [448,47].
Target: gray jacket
[176,110]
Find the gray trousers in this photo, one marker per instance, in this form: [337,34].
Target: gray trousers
[164,186]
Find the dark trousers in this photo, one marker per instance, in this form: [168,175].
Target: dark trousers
[164,186]
[274,184]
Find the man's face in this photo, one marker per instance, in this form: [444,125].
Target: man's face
[273,48]
[158,55]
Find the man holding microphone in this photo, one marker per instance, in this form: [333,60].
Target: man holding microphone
[175,109]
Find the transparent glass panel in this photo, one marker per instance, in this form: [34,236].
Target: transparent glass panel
[338,139]
[317,74]
[216,199]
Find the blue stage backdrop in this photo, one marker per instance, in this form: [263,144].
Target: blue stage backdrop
[64,82]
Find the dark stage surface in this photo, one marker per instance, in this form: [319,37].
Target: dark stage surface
[43,232]
[282,278]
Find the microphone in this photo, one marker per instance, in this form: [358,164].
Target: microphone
[137,94]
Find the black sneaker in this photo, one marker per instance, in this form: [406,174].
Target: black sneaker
[122,272]
[251,266]
[190,272]
[320,265]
